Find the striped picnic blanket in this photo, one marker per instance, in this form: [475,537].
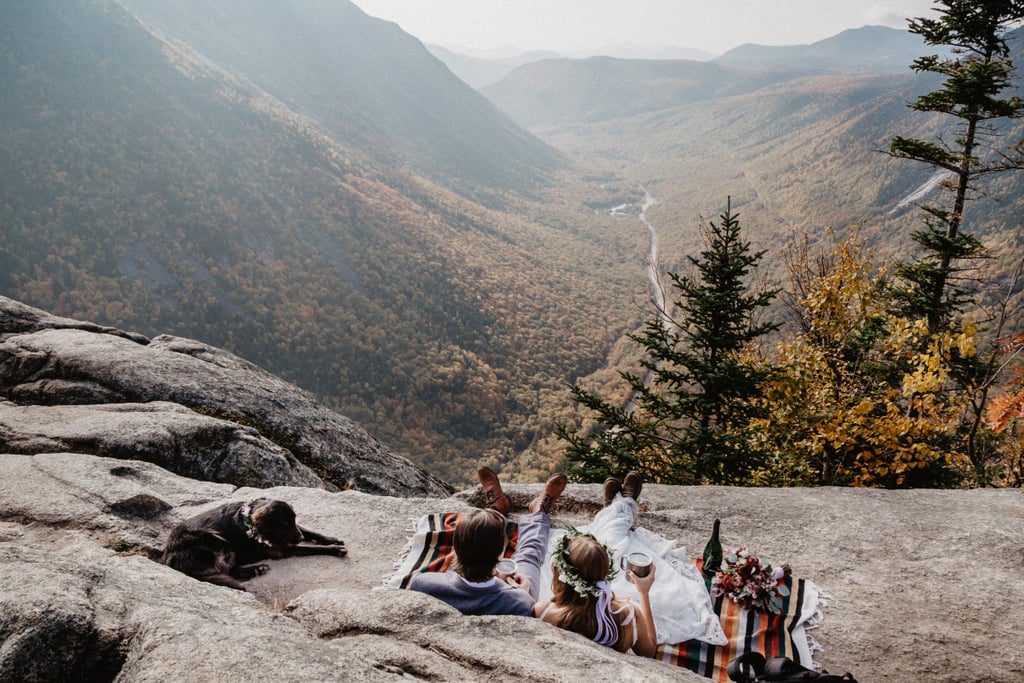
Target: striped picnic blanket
[773,635]
[430,550]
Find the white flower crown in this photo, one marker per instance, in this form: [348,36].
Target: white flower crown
[568,573]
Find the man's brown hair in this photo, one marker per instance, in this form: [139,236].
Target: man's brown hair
[479,541]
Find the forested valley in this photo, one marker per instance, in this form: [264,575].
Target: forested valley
[388,238]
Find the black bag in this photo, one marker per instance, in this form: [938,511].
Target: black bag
[751,667]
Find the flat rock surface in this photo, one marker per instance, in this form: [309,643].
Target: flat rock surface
[923,585]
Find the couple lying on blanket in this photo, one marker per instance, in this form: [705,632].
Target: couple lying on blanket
[580,588]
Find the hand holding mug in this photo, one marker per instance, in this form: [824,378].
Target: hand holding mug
[637,563]
[518,581]
[639,569]
[506,571]
[643,583]
[505,568]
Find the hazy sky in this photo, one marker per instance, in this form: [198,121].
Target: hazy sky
[574,27]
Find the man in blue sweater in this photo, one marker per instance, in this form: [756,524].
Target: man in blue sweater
[479,542]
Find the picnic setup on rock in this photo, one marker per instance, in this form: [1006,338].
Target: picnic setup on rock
[728,616]
[90,502]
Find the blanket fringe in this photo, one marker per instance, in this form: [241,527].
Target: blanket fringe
[403,555]
[813,646]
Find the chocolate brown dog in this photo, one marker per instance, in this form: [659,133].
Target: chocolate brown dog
[221,545]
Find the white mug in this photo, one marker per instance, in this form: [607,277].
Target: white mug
[506,567]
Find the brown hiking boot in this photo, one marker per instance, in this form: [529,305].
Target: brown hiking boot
[492,491]
[631,486]
[546,499]
[612,486]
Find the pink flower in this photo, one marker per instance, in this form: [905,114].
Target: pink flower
[750,583]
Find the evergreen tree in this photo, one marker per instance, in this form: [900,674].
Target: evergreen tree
[976,73]
[688,418]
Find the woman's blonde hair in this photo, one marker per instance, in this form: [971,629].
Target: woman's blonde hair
[590,561]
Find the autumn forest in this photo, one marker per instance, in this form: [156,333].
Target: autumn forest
[446,268]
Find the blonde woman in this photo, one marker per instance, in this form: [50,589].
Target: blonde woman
[583,602]
[679,602]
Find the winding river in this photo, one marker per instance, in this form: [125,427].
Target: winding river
[652,269]
[651,266]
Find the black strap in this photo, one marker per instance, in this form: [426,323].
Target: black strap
[747,668]
[785,669]
[751,667]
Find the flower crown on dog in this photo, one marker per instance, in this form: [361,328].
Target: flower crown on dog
[568,573]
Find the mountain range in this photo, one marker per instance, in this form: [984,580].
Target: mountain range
[479,70]
[794,135]
[868,49]
[315,191]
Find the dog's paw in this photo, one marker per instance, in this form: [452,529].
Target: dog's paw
[338,548]
[320,539]
[253,571]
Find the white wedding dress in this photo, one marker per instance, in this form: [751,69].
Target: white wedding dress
[679,597]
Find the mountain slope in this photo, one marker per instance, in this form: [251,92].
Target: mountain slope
[369,84]
[569,91]
[144,187]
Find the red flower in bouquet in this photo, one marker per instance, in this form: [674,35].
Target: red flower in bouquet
[751,583]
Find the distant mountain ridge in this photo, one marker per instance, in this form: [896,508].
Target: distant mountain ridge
[480,71]
[874,48]
[566,91]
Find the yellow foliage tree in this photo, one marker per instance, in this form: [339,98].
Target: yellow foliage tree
[861,395]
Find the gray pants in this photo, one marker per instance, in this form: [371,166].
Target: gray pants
[532,547]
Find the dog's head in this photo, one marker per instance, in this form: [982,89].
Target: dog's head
[275,521]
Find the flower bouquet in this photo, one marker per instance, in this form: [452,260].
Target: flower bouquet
[751,583]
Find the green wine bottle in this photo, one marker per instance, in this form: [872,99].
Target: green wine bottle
[713,553]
